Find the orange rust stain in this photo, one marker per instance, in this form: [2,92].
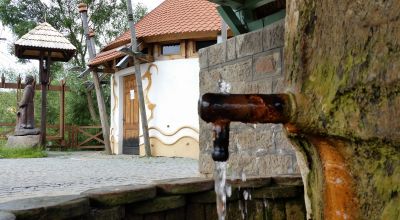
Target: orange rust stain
[340,201]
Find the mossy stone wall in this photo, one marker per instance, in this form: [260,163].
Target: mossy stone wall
[342,61]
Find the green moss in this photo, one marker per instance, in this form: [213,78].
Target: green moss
[375,166]
[392,210]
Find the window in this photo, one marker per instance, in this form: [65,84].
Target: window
[171,49]
[203,44]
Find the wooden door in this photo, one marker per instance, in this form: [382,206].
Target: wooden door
[131,116]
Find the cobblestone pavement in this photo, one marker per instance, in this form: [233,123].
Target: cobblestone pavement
[65,173]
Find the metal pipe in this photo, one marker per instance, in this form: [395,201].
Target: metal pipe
[221,109]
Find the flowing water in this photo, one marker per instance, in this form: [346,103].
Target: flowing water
[220,188]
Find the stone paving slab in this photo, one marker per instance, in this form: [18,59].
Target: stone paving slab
[66,173]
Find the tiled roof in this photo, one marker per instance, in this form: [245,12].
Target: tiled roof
[174,17]
[45,36]
[106,56]
[170,17]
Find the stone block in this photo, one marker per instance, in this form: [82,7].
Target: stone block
[279,85]
[158,204]
[154,216]
[114,213]
[275,192]
[206,164]
[29,141]
[204,197]
[203,58]
[290,180]
[238,71]
[252,87]
[275,164]
[278,211]
[295,210]
[241,140]
[57,207]
[217,54]
[195,211]
[233,210]
[249,44]
[251,182]
[273,36]
[175,214]
[231,49]
[132,216]
[120,195]
[210,197]
[185,185]
[211,211]
[266,65]
[6,216]
[242,162]
[255,210]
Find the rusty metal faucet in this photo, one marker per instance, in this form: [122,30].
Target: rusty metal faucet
[221,109]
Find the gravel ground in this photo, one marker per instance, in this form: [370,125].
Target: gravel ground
[64,173]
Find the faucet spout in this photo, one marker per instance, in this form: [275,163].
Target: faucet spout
[221,109]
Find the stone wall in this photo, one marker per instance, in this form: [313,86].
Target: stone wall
[249,63]
[271,198]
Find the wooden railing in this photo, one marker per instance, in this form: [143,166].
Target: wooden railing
[87,137]
[80,137]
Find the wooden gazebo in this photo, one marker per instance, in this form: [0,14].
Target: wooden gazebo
[46,44]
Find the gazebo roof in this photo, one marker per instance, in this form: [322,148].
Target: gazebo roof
[44,38]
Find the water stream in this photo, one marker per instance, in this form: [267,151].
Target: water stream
[220,188]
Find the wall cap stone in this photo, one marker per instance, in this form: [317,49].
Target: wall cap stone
[55,207]
[185,185]
[291,180]
[159,204]
[6,216]
[119,195]
[274,192]
[251,182]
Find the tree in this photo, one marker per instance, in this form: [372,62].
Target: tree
[106,17]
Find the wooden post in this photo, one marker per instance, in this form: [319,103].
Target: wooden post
[139,82]
[44,71]
[100,100]
[62,112]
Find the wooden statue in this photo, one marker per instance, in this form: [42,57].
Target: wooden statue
[26,114]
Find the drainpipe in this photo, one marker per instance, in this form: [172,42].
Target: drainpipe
[100,100]
[139,80]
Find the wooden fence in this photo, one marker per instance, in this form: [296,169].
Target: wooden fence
[79,137]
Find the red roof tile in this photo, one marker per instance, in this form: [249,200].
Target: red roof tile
[172,17]
[106,56]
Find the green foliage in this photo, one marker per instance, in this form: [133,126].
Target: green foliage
[106,17]
[20,152]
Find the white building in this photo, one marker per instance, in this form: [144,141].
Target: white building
[170,36]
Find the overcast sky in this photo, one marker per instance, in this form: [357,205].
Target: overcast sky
[8,61]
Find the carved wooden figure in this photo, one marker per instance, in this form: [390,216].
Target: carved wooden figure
[26,110]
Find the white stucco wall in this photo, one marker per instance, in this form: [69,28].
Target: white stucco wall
[174,91]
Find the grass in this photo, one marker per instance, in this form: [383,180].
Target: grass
[20,152]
